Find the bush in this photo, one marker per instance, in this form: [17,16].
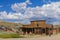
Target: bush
[10,36]
[16,36]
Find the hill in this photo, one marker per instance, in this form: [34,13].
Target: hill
[10,24]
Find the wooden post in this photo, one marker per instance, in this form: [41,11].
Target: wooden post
[26,31]
[22,33]
[32,30]
[38,30]
[41,31]
[35,31]
[49,31]
[45,30]
[30,33]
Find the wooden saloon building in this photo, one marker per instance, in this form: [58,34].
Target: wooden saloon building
[38,27]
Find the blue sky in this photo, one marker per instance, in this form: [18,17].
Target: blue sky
[23,11]
[6,4]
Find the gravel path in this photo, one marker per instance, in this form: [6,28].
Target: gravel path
[53,37]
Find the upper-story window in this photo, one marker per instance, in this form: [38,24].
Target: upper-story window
[37,25]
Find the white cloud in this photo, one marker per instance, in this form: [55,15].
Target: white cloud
[1,6]
[53,9]
[18,7]
[4,15]
[25,13]
[48,10]
[56,23]
[28,2]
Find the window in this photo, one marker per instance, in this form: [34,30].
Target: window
[37,25]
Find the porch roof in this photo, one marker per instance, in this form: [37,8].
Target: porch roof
[33,27]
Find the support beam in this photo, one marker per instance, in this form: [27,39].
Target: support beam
[26,31]
[32,30]
[35,30]
[41,31]
[45,30]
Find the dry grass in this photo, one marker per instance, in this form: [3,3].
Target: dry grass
[53,37]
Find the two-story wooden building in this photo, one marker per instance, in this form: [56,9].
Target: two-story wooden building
[37,27]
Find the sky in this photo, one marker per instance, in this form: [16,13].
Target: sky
[24,11]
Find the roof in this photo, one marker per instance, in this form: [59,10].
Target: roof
[56,26]
[37,20]
[49,25]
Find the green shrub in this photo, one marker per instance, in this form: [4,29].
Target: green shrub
[16,36]
[10,36]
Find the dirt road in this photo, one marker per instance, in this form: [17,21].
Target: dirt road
[53,37]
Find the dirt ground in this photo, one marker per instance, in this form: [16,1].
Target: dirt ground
[53,37]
